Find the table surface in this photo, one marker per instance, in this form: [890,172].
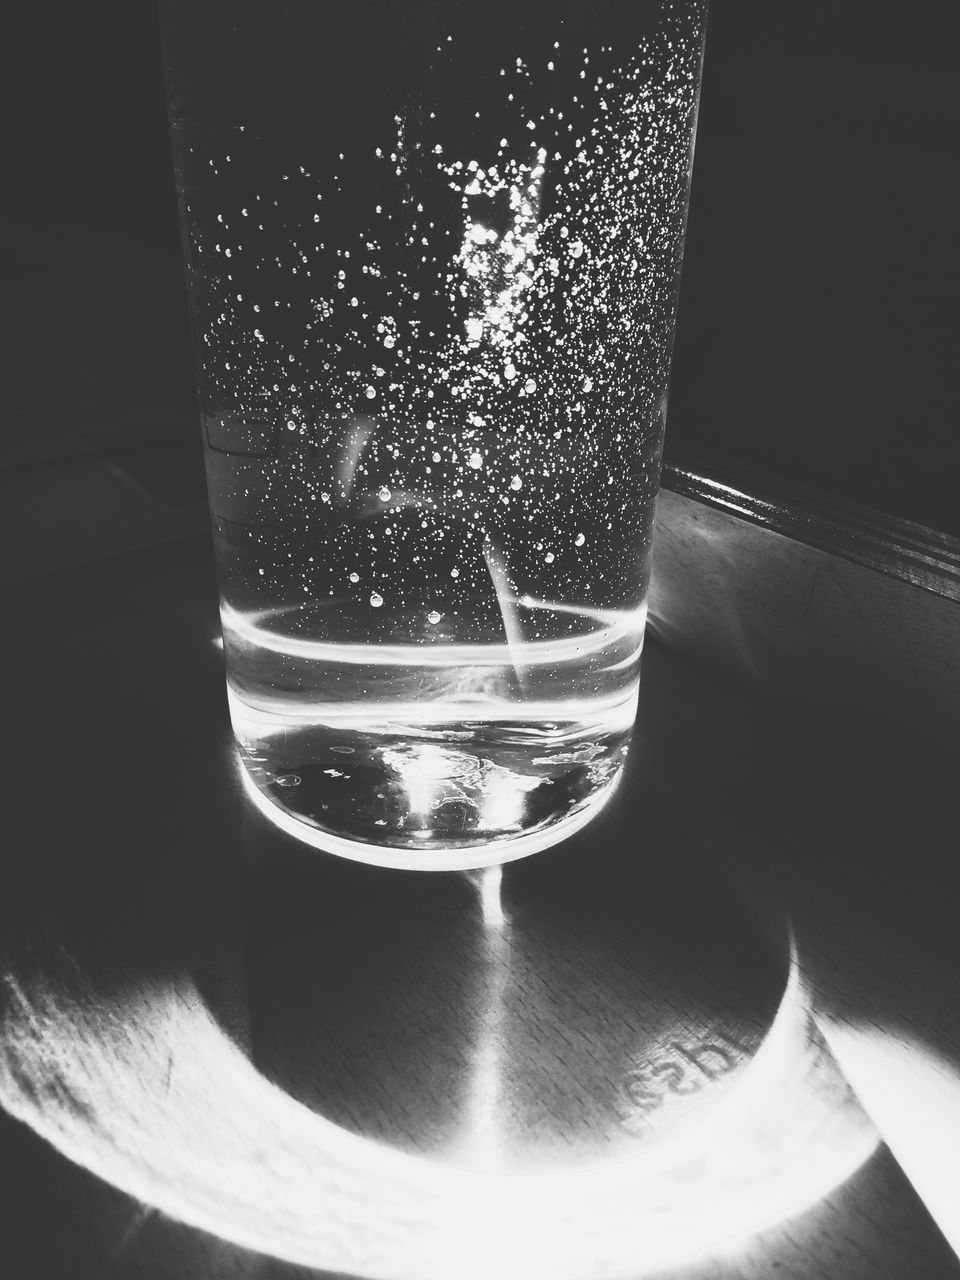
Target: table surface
[674,1044]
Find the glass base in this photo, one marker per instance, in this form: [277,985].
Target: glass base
[440,809]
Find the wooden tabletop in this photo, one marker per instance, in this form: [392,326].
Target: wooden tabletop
[673,1045]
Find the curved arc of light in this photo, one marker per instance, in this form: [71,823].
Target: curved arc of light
[222,1149]
[611,628]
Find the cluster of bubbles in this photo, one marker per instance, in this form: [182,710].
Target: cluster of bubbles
[464,337]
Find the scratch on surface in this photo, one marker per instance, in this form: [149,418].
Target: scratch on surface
[136,1224]
[846,594]
[809,604]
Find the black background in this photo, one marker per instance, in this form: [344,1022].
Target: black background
[818,335]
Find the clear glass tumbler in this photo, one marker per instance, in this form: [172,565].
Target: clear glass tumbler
[433,251]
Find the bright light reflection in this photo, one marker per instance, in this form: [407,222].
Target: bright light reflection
[496,563]
[486,853]
[611,627]
[914,1095]
[423,769]
[203,1137]
[489,885]
[482,1142]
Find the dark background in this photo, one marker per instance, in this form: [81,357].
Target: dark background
[818,335]
[819,331]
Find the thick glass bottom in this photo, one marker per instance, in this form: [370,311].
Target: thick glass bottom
[433,796]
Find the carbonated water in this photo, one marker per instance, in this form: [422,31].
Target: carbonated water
[432,254]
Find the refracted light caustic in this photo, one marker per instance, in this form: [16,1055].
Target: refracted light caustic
[432,255]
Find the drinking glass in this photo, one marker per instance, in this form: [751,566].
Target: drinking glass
[432,253]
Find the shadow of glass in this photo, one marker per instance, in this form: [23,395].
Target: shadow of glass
[589,1013]
[579,1004]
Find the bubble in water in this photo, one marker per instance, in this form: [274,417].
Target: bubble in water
[433,617]
[371,393]
[354,577]
[549,557]
[516,483]
[376,600]
[454,573]
[579,540]
[575,249]
[588,384]
[476,461]
[530,386]
[436,456]
[384,494]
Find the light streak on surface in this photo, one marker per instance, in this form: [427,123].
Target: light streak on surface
[914,1095]
[482,1144]
[488,883]
[147,1092]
